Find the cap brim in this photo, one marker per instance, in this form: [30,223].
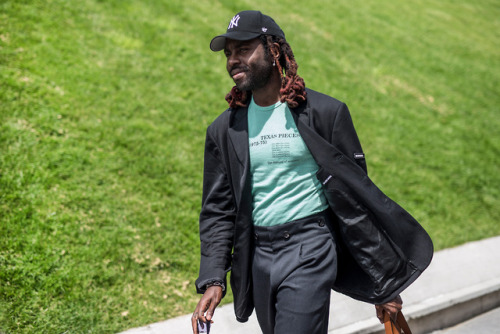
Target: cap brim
[218,43]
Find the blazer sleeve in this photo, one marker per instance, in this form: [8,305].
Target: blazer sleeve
[345,138]
[217,218]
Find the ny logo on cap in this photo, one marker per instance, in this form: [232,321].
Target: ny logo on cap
[234,22]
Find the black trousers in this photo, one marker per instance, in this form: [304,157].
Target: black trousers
[294,268]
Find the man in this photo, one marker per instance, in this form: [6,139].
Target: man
[287,205]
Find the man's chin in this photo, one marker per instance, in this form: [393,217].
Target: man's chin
[241,86]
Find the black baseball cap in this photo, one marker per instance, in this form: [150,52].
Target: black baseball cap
[246,25]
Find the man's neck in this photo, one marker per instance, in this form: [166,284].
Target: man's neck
[269,94]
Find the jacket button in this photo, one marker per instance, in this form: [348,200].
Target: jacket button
[321,223]
[286,235]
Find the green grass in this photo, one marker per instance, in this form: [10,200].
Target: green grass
[103,109]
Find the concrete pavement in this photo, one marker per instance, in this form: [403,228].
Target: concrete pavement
[488,322]
[460,283]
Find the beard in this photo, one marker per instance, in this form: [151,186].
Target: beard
[257,75]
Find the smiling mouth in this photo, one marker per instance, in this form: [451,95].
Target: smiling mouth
[237,73]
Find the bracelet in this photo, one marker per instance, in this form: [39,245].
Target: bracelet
[216,283]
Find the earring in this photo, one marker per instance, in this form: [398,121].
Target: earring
[274,62]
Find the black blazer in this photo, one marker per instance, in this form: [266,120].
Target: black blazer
[382,249]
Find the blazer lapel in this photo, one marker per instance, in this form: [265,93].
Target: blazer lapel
[240,157]
[301,113]
[238,134]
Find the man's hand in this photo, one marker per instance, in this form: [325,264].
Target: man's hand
[392,308]
[208,302]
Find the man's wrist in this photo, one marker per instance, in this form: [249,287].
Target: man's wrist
[216,283]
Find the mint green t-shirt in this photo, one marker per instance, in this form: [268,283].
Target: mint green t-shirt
[284,183]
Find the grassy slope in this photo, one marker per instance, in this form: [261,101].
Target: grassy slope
[102,117]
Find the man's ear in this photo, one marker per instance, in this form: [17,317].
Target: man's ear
[275,51]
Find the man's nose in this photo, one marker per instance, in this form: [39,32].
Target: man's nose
[232,60]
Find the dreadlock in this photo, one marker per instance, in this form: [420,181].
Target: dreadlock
[292,86]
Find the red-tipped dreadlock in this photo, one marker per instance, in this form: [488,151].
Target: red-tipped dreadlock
[292,90]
